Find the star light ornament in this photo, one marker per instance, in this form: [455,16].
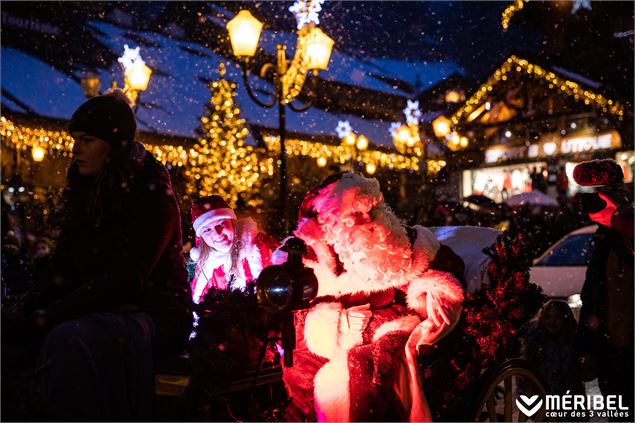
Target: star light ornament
[306,11]
[394,127]
[343,128]
[131,57]
[580,4]
[412,112]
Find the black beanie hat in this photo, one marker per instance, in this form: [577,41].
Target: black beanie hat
[108,117]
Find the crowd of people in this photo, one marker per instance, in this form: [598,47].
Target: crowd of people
[106,285]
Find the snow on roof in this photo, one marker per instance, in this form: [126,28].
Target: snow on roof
[178,92]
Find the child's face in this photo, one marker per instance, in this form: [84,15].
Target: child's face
[219,235]
[553,321]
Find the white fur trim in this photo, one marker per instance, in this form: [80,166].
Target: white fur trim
[212,216]
[402,324]
[447,288]
[321,329]
[426,247]
[195,253]
[332,390]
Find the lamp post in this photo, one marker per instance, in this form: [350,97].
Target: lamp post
[312,53]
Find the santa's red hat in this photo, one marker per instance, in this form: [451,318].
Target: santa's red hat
[598,173]
[208,210]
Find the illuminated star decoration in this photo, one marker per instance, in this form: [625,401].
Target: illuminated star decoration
[580,4]
[306,11]
[412,112]
[131,57]
[394,127]
[343,128]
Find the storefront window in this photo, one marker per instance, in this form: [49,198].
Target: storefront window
[500,183]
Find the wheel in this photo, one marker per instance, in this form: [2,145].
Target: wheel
[500,396]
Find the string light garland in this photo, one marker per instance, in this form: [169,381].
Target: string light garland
[510,11]
[341,154]
[556,83]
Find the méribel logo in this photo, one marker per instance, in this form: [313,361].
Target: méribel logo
[529,406]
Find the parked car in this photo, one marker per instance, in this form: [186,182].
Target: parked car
[561,270]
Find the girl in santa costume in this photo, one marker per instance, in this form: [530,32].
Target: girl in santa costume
[230,253]
[384,290]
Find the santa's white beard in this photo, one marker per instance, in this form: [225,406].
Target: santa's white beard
[377,251]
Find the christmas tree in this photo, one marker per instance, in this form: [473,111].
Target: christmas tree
[221,163]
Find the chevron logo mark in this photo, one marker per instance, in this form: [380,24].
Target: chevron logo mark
[529,406]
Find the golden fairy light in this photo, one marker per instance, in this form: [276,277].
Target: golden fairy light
[556,83]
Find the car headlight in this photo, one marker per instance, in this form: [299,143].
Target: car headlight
[574,301]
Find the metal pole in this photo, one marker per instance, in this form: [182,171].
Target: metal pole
[283,165]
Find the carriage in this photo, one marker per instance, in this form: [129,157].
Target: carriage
[473,374]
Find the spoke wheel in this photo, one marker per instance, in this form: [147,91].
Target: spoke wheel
[497,401]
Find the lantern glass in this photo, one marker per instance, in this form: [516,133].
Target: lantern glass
[91,85]
[318,49]
[403,134]
[441,126]
[38,153]
[138,76]
[362,142]
[244,33]
[349,139]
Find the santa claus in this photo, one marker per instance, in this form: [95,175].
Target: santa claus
[230,253]
[384,290]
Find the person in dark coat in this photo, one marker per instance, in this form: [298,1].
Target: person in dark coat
[119,299]
[606,328]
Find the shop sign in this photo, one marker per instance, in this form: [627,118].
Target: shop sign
[555,145]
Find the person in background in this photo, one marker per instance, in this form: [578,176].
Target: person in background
[549,347]
[562,183]
[119,300]
[230,253]
[605,331]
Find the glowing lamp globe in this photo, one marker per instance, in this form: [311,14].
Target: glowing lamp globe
[90,85]
[244,33]
[349,139]
[362,142]
[441,126]
[138,76]
[38,153]
[371,168]
[463,142]
[403,134]
[318,49]
[321,162]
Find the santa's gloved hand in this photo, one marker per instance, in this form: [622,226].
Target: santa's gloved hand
[357,317]
[437,310]
[354,321]
[603,217]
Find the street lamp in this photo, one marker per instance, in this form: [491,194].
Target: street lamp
[91,85]
[136,77]
[312,53]
[136,74]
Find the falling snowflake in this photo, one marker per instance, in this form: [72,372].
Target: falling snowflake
[394,127]
[343,128]
[131,57]
[580,4]
[306,11]
[412,112]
